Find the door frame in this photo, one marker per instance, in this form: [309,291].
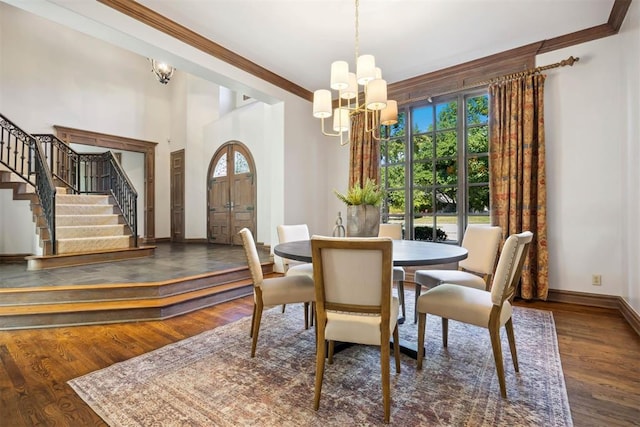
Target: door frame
[148,148]
[252,165]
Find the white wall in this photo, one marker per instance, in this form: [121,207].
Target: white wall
[591,114]
[52,76]
[202,109]
[16,225]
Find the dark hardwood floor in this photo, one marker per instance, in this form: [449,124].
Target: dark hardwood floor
[599,352]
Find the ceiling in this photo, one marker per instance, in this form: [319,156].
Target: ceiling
[298,39]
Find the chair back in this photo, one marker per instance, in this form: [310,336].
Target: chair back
[509,269]
[252,257]
[482,242]
[393,231]
[353,274]
[292,233]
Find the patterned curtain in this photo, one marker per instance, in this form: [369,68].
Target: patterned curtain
[364,159]
[517,177]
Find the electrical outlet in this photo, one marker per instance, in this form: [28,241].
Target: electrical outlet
[596,280]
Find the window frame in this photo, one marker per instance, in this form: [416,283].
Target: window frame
[462,158]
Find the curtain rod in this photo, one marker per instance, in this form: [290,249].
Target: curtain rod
[569,61]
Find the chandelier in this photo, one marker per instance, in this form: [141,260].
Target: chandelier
[376,108]
[162,70]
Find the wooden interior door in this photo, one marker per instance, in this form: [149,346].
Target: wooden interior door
[177,196]
[231,194]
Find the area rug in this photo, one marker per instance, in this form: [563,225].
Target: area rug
[211,380]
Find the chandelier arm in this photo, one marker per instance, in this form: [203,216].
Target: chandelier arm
[324,132]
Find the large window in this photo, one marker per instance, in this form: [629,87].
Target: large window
[435,167]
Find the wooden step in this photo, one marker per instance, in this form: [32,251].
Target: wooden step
[41,307]
[68,260]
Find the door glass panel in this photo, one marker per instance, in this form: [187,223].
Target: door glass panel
[478,140]
[221,167]
[446,200]
[447,114]
[477,110]
[422,147]
[423,174]
[241,164]
[422,119]
[446,172]
[447,144]
[395,204]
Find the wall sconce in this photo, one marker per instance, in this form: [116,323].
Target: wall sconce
[163,71]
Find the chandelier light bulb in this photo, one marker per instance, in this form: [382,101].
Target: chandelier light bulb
[352,90]
[322,103]
[389,114]
[376,94]
[339,75]
[341,120]
[366,69]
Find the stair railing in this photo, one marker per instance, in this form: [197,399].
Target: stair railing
[23,155]
[92,173]
[64,162]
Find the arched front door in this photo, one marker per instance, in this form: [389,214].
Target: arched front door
[231,195]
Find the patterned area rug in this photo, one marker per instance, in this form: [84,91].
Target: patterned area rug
[209,379]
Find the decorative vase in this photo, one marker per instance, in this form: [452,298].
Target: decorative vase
[363,221]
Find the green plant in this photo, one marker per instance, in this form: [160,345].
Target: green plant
[369,194]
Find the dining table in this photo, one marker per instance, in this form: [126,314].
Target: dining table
[406,253]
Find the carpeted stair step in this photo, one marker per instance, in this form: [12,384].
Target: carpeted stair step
[68,220]
[91,244]
[79,231]
[80,199]
[80,209]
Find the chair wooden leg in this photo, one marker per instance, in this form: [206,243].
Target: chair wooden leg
[415,306]
[253,318]
[320,352]
[283,307]
[445,332]
[396,348]
[494,332]
[256,327]
[512,344]
[332,347]
[422,321]
[312,312]
[401,298]
[306,315]
[386,385]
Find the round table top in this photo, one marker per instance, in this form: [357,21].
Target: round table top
[405,252]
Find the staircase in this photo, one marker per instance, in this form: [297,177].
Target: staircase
[87,222]
[84,206]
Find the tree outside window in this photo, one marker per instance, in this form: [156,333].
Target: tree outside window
[426,189]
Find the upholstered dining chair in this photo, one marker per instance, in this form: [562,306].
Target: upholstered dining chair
[481,242]
[292,233]
[354,302]
[394,231]
[274,290]
[487,309]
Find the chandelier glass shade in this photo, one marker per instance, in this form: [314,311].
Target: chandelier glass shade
[162,71]
[373,102]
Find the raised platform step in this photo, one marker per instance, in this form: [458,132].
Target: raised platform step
[42,307]
[68,260]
